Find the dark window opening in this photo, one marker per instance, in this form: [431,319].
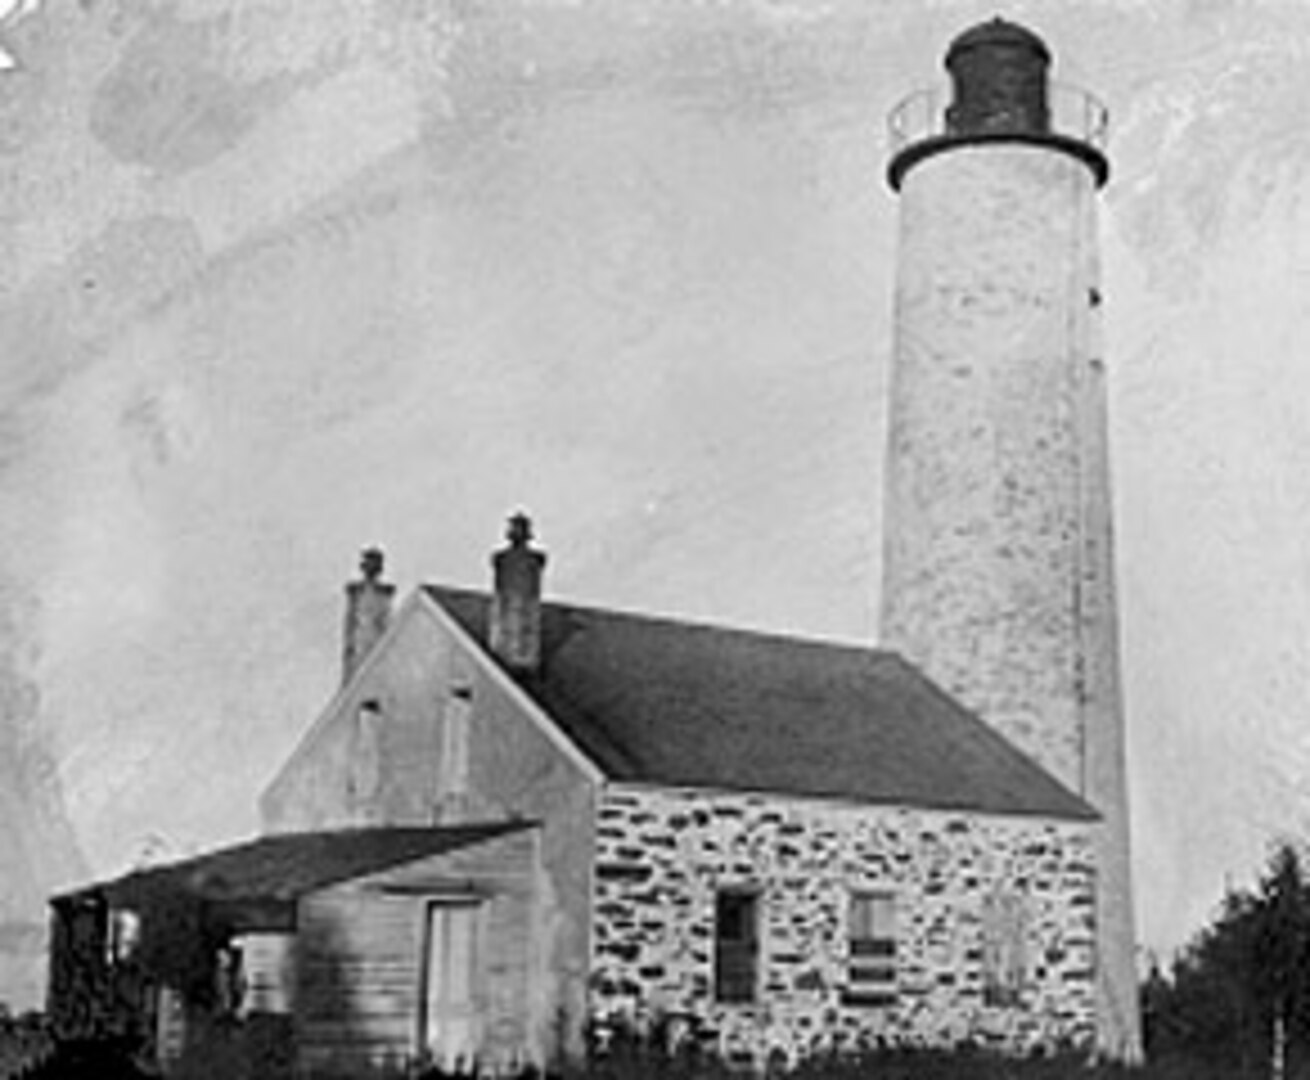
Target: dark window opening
[736,945]
[229,980]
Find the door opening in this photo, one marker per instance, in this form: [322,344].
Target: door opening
[448,1016]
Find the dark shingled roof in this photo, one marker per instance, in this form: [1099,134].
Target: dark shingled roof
[677,703]
[288,865]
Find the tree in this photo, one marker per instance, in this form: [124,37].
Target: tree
[1238,996]
[1281,951]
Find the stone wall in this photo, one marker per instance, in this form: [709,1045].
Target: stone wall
[663,853]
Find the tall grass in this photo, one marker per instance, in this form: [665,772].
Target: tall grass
[28,1052]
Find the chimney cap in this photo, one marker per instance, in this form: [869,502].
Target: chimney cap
[519,530]
[371,563]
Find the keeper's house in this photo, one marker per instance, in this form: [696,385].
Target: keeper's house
[515,818]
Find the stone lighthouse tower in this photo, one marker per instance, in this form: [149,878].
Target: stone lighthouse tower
[999,575]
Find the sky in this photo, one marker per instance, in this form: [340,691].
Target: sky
[287,279]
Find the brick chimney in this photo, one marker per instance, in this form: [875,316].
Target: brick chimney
[368,610]
[516,607]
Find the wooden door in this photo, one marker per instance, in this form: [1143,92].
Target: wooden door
[449,1010]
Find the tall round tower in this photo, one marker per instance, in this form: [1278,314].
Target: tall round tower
[998,574]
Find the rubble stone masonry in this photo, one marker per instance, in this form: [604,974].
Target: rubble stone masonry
[663,854]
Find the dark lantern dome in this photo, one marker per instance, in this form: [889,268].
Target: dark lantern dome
[998,79]
[997,33]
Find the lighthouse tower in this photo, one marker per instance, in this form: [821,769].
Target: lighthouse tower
[998,574]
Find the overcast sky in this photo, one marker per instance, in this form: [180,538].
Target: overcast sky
[284,279]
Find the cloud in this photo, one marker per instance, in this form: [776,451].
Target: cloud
[11,11]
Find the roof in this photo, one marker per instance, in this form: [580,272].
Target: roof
[286,866]
[681,704]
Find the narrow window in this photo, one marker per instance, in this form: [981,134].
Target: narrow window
[452,778]
[229,980]
[736,945]
[1005,925]
[366,757]
[124,935]
[871,932]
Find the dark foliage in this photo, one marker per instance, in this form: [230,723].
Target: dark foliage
[25,1041]
[1241,986]
[180,944]
[98,1059]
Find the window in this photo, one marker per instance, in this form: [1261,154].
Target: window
[365,778]
[267,962]
[736,945]
[124,935]
[452,773]
[1005,925]
[229,980]
[871,932]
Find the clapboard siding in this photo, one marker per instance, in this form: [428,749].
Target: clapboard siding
[360,949]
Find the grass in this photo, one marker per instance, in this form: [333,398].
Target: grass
[28,1052]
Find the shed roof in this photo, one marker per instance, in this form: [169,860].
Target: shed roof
[285,866]
[678,703]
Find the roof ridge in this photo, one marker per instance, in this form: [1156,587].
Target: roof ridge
[680,622]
